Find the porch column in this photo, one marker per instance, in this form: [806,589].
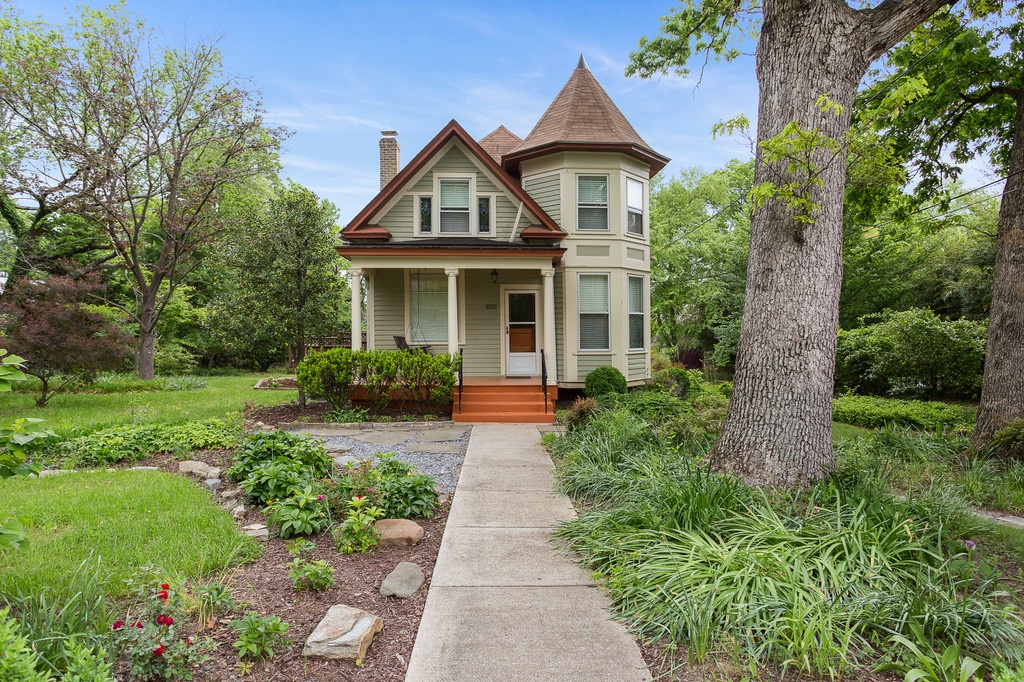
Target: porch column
[550,349]
[453,310]
[357,307]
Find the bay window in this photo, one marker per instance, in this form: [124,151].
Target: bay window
[592,202]
[636,313]
[595,330]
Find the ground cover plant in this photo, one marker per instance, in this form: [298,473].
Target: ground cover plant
[130,443]
[873,412]
[817,580]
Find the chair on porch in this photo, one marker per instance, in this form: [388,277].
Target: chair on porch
[402,344]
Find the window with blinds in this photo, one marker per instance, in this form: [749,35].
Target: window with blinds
[595,330]
[592,202]
[634,207]
[454,207]
[636,313]
[428,307]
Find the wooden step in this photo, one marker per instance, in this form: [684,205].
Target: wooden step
[504,417]
[504,403]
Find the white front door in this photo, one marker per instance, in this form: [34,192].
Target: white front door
[522,358]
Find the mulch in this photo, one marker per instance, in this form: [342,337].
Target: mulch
[316,412]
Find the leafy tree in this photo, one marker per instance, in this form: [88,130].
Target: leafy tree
[62,340]
[811,57]
[972,59]
[143,140]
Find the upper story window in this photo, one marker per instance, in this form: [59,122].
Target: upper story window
[592,202]
[634,207]
[426,214]
[484,214]
[454,207]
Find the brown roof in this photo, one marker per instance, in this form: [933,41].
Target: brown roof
[499,142]
[583,117]
[359,228]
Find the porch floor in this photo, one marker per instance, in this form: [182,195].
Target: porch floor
[503,399]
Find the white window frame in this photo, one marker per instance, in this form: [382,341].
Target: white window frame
[630,313]
[436,217]
[579,312]
[635,209]
[460,295]
[416,222]
[606,205]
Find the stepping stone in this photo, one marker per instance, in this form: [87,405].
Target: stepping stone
[551,428]
[403,582]
[433,448]
[200,469]
[1015,521]
[344,633]
[341,462]
[384,438]
[327,432]
[399,532]
[440,435]
[258,531]
[214,484]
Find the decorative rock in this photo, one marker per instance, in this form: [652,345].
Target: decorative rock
[55,472]
[441,435]
[399,532]
[231,494]
[227,505]
[145,469]
[258,531]
[344,460]
[1015,521]
[214,472]
[403,582]
[344,633]
[385,439]
[238,511]
[213,484]
[335,450]
[189,466]
[443,498]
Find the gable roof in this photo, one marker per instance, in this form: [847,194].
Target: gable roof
[499,142]
[583,117]
[360,229]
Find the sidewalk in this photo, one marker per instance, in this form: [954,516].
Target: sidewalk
[504,604]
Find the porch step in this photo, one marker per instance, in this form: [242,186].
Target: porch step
[508,403]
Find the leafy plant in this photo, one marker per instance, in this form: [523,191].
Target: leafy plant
[357,532]
[259,637]
[279,446]
[351,415]
[392,485]
[304,512]
[120,443]
[276,480]
[579,413]
[604,380]
[873,412]
[17,660]
[929,665]
[212,599]
[310,575]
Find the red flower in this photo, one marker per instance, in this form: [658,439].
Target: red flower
[165,586]
[118,624]
[188,641]
[164,619]
[162,595]
[159,651]
[138,624]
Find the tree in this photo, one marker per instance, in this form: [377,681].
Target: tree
[811,57]
[974,108]
[50,325]
[149,136]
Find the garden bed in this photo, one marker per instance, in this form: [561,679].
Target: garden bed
[317,412]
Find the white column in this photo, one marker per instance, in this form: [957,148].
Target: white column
[453,310]
[550,349]
[357,307]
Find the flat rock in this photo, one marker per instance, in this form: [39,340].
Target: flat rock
[328,431]
[335,450]
[383,438]
[145,469]
[214,472]
[443,498]
[189,466]
[403,582]
[399,532]
[238,511]
[441,435]
[1015,521]
[231,494]
[213,484]
[344,633]
[55,472]
[345,460]
[258,531]
[434,448]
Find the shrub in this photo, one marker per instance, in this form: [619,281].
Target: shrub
[872,412]
[579,413]
[17,660]
[327,375]
[654,407]
[279,446]
[172,359]
[914,352]
[278,479]
[303,512]
[259,637]
[603,380]
[392,485]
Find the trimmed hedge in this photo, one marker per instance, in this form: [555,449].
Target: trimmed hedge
[872,412]
[604,380]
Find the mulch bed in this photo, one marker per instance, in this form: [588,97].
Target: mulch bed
[316,412]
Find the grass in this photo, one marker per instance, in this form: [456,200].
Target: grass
[842,431]
[74,413]
[120,520]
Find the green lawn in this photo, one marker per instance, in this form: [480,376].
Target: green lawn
[78,412]
[120,520]
[842,431]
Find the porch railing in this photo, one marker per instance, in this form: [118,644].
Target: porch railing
[544,379]
[461,383]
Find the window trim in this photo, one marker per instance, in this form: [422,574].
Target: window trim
[642,313]
[460,295]
[417,226]
[440,209]
[579,312]
[640,211]
[606,205]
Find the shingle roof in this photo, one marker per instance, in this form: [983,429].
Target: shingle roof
[499,142]
[583,115]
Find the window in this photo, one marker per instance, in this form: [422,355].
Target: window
[634,207]
[426,214]
[595,333]
[636,313]
[428,307]
[483,212]
[454,218]
[592,202]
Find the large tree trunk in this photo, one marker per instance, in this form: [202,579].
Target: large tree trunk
[1002,393]
[145,351]
[778,428]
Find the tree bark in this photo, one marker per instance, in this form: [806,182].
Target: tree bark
[778,430]
[145,351]
[1002,393]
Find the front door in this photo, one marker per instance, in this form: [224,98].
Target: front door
[522,358]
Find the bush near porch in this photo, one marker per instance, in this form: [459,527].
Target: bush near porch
[381,377]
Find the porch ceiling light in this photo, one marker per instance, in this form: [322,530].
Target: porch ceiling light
[494,276]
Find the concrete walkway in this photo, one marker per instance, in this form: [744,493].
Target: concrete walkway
[504,604]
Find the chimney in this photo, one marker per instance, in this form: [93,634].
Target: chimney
[389,150]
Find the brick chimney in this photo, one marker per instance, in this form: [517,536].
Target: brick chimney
[389,151]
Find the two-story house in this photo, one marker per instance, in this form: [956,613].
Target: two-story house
[529,256]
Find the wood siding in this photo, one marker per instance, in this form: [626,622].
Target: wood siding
[388,307]
[560,324]
[637,366]
[481,354]
[585,364]
[545,191]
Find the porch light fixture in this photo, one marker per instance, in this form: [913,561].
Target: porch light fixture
[494,276]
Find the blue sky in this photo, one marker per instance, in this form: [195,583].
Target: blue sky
[337,73]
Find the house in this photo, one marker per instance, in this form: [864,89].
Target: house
[529,256]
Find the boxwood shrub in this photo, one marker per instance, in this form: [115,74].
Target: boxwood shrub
[604,380]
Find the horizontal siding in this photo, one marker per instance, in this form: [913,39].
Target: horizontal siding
[399,219]
[481,354]
[585,364]
[560,324]
[545,190]
[388,307]
[637,365]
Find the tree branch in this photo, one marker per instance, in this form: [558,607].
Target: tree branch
[891,21]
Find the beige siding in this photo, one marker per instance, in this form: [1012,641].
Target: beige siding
[560,323]
[637,366]
[481,354]
[585,364]
[399,220]
[388,307]
[545,191]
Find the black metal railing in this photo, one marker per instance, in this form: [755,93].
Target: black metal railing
[544,379]
[461,384]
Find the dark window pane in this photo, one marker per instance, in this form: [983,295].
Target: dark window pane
[425,214]
[636,331]
[484,213]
